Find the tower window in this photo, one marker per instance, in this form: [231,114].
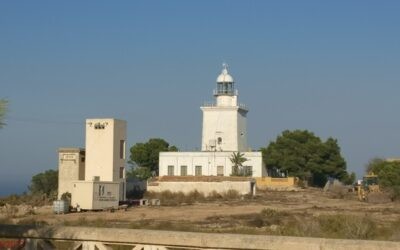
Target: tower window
[122,149]
[219,140]
[121,172]
[99,126]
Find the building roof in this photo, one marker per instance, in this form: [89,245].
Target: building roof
[71,150]
[224,76]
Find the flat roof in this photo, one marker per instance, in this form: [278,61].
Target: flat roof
[72,150]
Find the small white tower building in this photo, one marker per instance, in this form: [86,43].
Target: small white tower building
[105,149]
[224,122]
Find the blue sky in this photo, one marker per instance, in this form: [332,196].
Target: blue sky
[331,67]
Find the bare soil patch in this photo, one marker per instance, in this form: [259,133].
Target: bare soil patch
[308,212]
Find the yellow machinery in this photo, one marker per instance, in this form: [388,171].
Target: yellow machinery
[369,185]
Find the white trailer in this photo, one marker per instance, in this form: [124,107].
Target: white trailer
[95,195]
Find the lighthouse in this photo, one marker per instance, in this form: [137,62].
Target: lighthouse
[224,121]
[224,134]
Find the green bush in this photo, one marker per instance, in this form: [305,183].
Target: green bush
[388,175]
[45,183]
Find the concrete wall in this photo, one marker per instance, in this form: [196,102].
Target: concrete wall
[71,167]
[209,161]
[243,187]
[189,239]
[228,123]
[219,122]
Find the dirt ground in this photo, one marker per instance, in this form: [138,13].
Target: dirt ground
[312,202]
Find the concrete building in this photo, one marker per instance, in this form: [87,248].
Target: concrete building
[105,149]
[71,167]
[224,132]
[216,163]
[104,184]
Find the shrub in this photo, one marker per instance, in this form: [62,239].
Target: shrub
[347,226]
[11,211]
[300,226]
[66,196]
[273,217]
[231,195]
[169,198]
[194,196]
[257,221]
[214,195]
[338,191]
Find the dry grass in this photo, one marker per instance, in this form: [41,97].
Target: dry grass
[266,222]
[310,213]
[26,199]
[169,198]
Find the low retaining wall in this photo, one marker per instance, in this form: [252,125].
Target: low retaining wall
[190,240]
[264,183]
[243,187]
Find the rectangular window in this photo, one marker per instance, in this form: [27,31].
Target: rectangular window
[248,170]
[220,170]
[170,170]
[121,172]
[122,149]
[183,170]
[198,171]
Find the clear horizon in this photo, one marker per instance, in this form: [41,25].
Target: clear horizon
[329,67]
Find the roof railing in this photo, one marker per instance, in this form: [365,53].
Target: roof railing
[225,92]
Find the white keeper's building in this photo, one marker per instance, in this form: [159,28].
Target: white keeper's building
[224,132]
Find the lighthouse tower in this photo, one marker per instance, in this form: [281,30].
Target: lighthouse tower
[224,122]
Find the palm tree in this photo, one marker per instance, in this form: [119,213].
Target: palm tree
[237,160]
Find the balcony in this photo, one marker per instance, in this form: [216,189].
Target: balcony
[213,104]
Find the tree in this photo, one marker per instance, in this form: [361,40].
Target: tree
[302,154]
[3,111]
[144,157]
[45,183]
[349,179]
[237,160]
[388,173]
[374,164]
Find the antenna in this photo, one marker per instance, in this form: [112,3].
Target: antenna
[225,65]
